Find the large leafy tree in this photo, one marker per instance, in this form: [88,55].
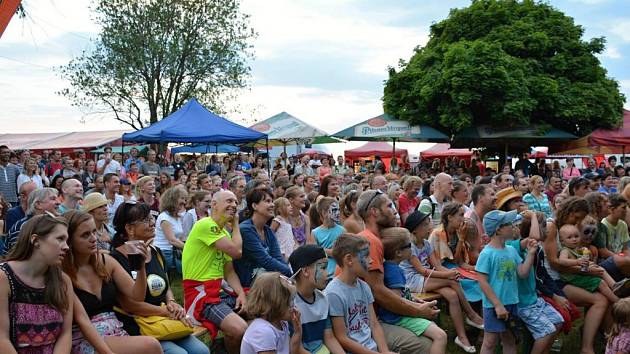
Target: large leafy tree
[506,63]
[153,55]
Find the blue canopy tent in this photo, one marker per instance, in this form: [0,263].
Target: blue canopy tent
[203,149]
[193,123]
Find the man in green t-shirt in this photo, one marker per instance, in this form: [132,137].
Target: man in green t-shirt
[613,244]
[206,261]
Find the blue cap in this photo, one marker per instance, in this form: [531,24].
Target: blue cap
[495,218]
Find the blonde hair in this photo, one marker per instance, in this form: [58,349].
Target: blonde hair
[394,238]
[140,184]
[621,318]
[269,297]
[534,179]
[168,201]
[410,181]
[279,205]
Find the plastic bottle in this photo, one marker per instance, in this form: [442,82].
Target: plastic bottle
[586,254]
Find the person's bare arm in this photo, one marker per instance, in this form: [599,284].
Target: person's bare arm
[126,286]
[524,268]
[90,333]
[167,228]
[565,259]
[332,343]
[233,246]
[341,333]
[63,345]
[605,252]
[5,338]
[377,332]
[235,283]
[395,303]
[551,252]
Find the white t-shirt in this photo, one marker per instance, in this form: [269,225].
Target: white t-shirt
[37,179]
[112,206]
[112,167]
[176,224]
[262,336]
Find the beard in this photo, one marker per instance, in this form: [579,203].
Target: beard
[384,221]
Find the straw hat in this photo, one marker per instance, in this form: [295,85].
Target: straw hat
[93,201]
[505,194]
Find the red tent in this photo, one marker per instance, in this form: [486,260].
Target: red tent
[443,150]
[373,148]
[613,137]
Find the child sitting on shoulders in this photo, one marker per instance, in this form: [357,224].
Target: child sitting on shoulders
[281,226]
[326,234]
[618,339]
[309,272]
[424,272]
[351,308]
[498,267]
[269,301]
[397,248]
[572,255]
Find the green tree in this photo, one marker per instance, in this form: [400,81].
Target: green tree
[152,56]
[507,63]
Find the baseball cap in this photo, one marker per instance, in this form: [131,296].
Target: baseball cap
[494,219]
[304,256]
[414,219]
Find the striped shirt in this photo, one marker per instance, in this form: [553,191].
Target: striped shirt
[536,204]
[8,182]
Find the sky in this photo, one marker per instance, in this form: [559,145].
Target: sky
[323,61]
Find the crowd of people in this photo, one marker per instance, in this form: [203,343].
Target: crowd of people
[314,255]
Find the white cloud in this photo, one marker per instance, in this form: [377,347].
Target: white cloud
[591,2]
[612,52]
[621,29]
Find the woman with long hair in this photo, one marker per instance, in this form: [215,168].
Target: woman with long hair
[98,281]
[261,251]
[56,183]
[325,169]
[35,301]
[352,222]
[572,211]
[165,182]
[88,175]
[444,238]
[460,193]
[131,225]
[300,223]
[330,187]
[169,233]
[30,174]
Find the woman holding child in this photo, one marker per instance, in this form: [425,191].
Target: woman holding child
[572,212]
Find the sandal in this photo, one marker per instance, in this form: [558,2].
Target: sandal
[466,348]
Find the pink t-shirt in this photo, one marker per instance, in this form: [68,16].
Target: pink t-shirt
[406,205]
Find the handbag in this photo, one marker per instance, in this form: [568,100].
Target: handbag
[160,327]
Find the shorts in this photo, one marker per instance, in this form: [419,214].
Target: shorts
[106,324]
[589,283]
[492,324]
[540,318]
[216,313]
[611,268]
[417,325]
[415,282]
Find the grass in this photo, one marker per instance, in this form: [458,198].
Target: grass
[570,342]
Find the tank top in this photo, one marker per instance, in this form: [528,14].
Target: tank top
[299,233]
[95,305]
[34,325]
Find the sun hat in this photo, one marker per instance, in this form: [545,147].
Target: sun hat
[506,194]
[494,219]
[93,201]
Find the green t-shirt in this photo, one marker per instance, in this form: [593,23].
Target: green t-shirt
[201,261]
[617,236]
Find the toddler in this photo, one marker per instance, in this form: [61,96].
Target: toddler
[282,227]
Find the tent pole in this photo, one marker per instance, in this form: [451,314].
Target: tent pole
[268,160]
[506,154]
[623,155]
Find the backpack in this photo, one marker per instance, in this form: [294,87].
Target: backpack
[433,205]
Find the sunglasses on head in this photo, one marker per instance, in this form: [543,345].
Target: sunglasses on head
[376,194]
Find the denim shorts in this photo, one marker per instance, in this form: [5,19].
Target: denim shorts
[611,268]
[540,318]
[492,324]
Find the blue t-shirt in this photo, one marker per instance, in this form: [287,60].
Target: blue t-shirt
[500,266]
[527,294]
[393,278]
[326,237]
[353,304]
[315,321]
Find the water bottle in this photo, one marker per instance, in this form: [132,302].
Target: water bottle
[586,254]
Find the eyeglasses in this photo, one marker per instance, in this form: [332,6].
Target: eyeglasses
[376,194]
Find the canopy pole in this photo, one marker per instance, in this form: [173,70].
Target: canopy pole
[623,155]
[268,160]
[506,155]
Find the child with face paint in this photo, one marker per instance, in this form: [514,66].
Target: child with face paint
[350,299]
[397,248]
[327,233]
[309,272]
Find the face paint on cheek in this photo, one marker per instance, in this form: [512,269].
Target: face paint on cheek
[364,258]
[333,211]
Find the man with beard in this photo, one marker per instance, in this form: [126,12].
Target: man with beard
[206,261]
[378,213]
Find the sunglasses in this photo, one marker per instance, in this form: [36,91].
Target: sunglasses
[406,246]
[376,194]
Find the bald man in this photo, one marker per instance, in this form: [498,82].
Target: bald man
[72,191]
[379,182]
[433,205]
[206,261]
